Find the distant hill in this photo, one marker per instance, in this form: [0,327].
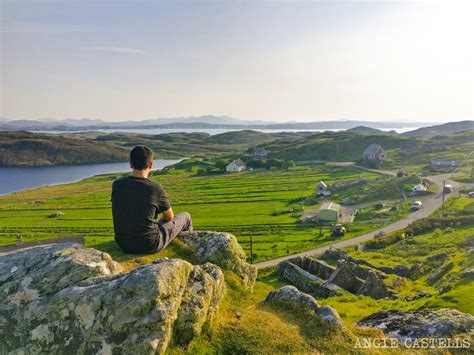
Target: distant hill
[187,123]
[21,148]
[348,146]
[370,130]
[30,149]
[182,144]
[443,129]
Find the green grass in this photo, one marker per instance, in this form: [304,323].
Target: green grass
[245,204]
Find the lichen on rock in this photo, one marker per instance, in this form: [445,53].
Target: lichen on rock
[223,250]
[291,297]
[60,298]
[440,322]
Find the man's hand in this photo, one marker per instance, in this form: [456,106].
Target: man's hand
[168,215]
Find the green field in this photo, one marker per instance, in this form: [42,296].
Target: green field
[245,204]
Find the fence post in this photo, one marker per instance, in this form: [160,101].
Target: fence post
[251,249]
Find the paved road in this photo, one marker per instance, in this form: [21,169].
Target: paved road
[430,204]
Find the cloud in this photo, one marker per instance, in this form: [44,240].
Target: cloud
[114,49]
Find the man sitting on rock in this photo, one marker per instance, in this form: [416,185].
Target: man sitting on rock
[136,204]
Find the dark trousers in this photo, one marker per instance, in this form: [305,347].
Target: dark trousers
[181,222]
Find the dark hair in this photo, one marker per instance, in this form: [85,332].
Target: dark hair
[140,157]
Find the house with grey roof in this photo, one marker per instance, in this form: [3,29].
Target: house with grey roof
[260,152]
[374,152]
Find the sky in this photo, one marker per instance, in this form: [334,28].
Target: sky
[252,60]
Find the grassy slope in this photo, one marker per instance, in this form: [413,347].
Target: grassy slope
[181,144]
[456,243]
[31,149]
[245,204]
[410,153]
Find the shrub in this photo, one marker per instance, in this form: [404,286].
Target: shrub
[383,242]
[201,172]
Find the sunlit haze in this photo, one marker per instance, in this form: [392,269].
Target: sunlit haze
[302,61]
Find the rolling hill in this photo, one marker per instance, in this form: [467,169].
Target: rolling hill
[443,129]
[30,149]
[348,146]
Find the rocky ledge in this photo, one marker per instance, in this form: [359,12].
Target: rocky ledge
[64,297]
[290,296]
[425,323]
[223,250]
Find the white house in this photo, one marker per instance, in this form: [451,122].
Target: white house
[374,152]
[322,189]
[260,152]
[235,166]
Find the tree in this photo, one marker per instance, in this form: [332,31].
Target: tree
[201,172]
[287,165]
[221,163]
[257,163]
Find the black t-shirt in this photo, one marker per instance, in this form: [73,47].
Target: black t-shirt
[136,203]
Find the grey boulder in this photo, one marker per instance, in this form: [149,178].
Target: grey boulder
[441,322]
[221,249]
[291,297]
[66,298]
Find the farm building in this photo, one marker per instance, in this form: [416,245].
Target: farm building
[322,189]
[444,165]
[260,152]
[329,212]
[235,166]
[374,152]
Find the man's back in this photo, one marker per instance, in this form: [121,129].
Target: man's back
[136,203]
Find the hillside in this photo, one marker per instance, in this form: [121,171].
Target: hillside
[443,129]
[30,149]
[181,144]
[433,257]
[35,149]
[348,146]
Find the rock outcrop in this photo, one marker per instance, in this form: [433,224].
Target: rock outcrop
[374,287]
[66,298]
[292,271]
[322,280]
[221,249]
[425,323]
[290,296]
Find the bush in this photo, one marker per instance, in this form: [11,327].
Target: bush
[201,172]
[431,223]
[257,163]
[222,163]
[383,242]
[287,165]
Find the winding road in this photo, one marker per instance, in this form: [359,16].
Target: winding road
[430,204]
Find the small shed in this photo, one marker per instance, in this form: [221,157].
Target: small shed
[329,212]
[235,166]
[321,187]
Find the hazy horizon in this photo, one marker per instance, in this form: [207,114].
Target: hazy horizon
[404,61]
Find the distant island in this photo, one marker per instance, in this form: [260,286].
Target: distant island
[199,122]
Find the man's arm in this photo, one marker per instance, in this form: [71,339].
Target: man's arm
[168,215]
